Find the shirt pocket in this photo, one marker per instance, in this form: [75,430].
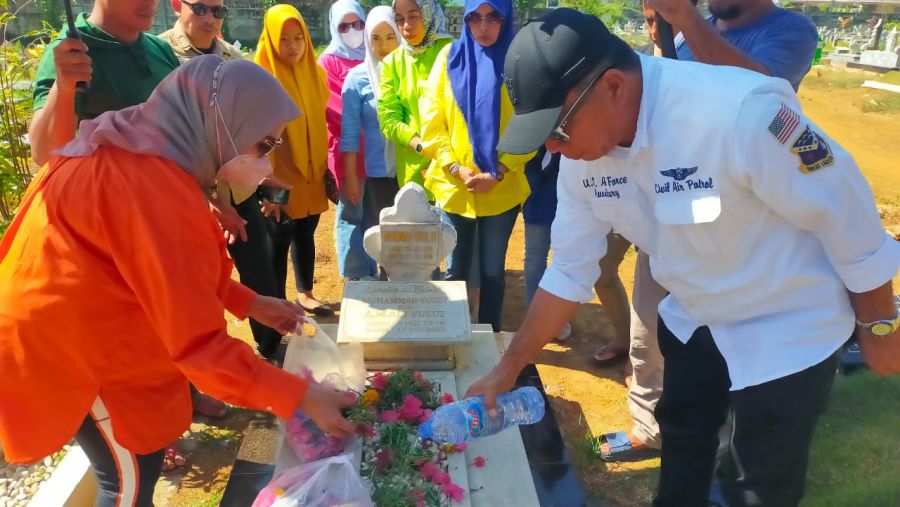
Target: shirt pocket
[686,223]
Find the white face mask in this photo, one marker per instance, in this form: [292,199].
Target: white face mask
[353,38]
[243,173]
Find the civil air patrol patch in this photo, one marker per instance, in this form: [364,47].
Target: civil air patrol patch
[812,150]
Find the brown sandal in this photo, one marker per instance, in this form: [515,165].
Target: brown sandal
[604,350]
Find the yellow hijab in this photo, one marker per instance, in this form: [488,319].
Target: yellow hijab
[306,83]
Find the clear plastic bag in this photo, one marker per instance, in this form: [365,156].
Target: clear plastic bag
[318,358]
[330,482]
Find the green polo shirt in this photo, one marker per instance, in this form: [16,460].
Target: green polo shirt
[123,74]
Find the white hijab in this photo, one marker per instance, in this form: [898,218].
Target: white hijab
[377,16]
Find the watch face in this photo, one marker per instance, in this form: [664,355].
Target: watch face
[881,329]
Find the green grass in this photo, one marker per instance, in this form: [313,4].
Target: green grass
[879,101]
[855,459]
[212,501]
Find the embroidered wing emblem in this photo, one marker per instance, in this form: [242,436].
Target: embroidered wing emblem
[812,150]
[679,173]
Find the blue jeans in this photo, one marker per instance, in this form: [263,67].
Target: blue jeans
[537,248]
[492,241]
[353,261]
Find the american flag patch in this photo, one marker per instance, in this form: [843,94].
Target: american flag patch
[784,123]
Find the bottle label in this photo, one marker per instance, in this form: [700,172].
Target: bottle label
[475,419]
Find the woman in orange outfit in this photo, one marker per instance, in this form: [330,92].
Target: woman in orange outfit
[114,280]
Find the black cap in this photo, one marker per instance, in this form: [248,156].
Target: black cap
[546,59]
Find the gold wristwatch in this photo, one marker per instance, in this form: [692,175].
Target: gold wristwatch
[881,327]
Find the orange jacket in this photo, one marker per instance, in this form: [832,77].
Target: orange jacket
[113,283]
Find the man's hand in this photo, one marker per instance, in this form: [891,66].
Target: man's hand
[500,380]
[481,183]
[352,190]
[323,405]
[882,353]
[233,226]
[73,65]
[282,316]
[676,12]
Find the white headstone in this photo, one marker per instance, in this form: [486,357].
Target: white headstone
[436,313]
[883,59]
[410,240]
[890,42]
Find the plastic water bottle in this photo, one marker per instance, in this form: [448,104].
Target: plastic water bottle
[455,423]
[819,47]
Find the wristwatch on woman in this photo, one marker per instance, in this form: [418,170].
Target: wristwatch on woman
[454,169]
[881,328]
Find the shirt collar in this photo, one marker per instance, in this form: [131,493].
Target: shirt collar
[648,80]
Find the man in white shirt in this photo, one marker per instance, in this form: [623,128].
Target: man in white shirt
[759,225]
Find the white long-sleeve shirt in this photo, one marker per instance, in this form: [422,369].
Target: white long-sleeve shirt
[756,222]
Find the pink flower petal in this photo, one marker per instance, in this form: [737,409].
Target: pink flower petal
[479,461]
[366,430]
[383,459]
[454,492]
[389,416]
[379,381]
[426,414]
[419,376]
[440,478]
[411,410]
[428,470]
[446,398]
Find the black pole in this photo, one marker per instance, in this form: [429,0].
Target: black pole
[666,37]
[72,33]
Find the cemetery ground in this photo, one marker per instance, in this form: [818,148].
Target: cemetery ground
[855,455]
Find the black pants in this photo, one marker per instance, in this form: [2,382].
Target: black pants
[773,427]
[253,260]
[298,236]
[379,194]
[124,478]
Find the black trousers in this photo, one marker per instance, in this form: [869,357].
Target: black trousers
[379,194]
[298,236]
[253,260]
[773,427]
[123,478]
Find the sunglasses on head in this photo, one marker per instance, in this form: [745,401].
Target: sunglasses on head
[493,18]
[199,9]
[356,25]
[268,145]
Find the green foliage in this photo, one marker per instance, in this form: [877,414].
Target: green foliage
[51,11]
[402,383]
[609,11]
[18,62]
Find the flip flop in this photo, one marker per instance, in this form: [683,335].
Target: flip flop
[173,461]
[319,311]
[621,450]
[604,349]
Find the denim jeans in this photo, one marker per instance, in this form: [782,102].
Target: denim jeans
[493,234]
[353,261]
[537,248]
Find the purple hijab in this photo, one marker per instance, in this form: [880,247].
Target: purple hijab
[476,79]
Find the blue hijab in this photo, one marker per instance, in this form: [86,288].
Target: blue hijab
[337,46]
[476,77]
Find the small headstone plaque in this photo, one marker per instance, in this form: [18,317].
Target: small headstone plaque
[432,313]
[883,59]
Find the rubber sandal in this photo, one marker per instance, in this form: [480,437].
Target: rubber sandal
[621,450]
[319,311]
[604,349]
[173,461]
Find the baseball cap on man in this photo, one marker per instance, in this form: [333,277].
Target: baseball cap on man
[546,59]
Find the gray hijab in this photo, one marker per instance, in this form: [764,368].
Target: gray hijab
[179,121]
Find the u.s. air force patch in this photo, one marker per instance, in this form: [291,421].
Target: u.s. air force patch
[812,150]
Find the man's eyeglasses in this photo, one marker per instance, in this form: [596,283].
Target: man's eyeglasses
[268,145]
[493,18]
[199,9]
[559,132]
[356,25]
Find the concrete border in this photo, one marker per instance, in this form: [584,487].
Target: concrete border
[72,484]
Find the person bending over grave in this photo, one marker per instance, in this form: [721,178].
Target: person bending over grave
[758,224]
[465,108]
[196,31]
[112,296]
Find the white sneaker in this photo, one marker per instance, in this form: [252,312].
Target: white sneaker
[565,333]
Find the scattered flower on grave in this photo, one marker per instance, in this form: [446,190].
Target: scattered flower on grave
[453,492]
[460,447]
[426,414]
[365,430]
[440,478]
[428,470]
[479,461]
[389,416]
[446,398]
[370,397]
[447,448]
[379,381]
[411,410]
[383,459]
